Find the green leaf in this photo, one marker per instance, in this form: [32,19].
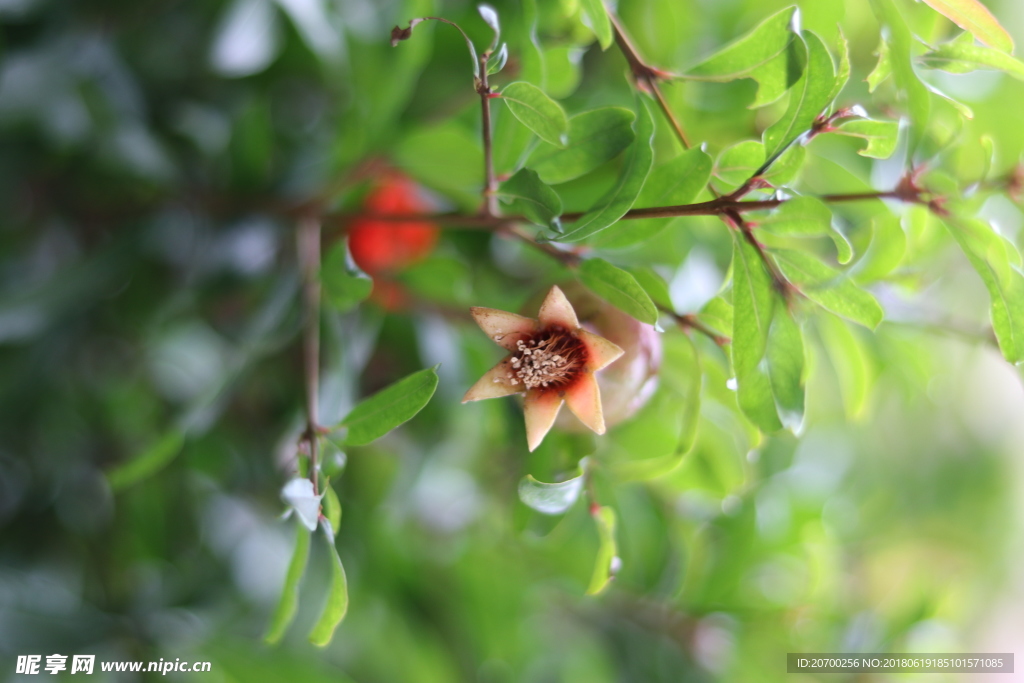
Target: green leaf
[807,217]
[550,499]
[342,289]
[850,361]
[675,182]
[885,253]
[843,75]
[619,288]
[595,137]
[785,356]
[808,98]
[753,299]
[631,180]
[829,288]
[148,463]
[527,194]
[962,56]
[288,603]
[883,69]
[537,111]
[737,163]
[337,597]
[880,136]
[654,285]
[332,507]
[607,551]
[379,414]
[765,54]
[597,19]
[987,252]
[972,16]
[445,157]
[910,87]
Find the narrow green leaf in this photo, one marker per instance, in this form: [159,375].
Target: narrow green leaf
[972,16]
[962,56]
[829,288]
[619,288]
[631,181]
[379,414]
[337,597]
[765,54]
[527,194]
[807,217]
[785,356]
[597,19]
[987,252]
[880,136]
[595,137]
[342,289]
[550,499]
[843,75]
[883,69]
[885,253]
[148,463]
[753,301]
[537,111]
[288,603]
[910,87]
[332,507]
[607,551]
[808,98]
[850,361]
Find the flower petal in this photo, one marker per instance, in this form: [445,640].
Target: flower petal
[494,383]
[600,351]
[584,400]
[502,327]
[541,409]
[556,310]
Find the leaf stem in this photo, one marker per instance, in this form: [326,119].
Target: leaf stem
[308,248]
[490,207]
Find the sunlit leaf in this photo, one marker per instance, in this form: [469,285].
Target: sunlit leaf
[336,604]
[379,414]
[807,217]
[595,137]
[972,16]
[785,356]
[332,507]
[988,253]
[850,361]
[765,54]
[654,285]
[597,18]
[147,463]
[880,136]
[963,56]
[809,98]
[884,253]
[883,68]
[537,111]
[551,499]
[607,561]
[288,603]
[831,289]
[898,57]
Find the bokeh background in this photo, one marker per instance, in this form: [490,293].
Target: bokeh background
[148,284]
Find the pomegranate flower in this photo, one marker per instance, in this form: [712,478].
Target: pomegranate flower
[552,360]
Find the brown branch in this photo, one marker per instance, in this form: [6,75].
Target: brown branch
[646,77]
[490,207]
[308,248]
[689,321]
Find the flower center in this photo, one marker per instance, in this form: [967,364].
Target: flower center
[551,360]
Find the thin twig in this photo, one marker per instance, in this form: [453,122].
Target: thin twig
[309,264]
[490,206]
[689,321]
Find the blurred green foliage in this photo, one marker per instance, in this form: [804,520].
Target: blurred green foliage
[152,379]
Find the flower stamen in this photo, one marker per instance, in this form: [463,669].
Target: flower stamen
[551,361]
